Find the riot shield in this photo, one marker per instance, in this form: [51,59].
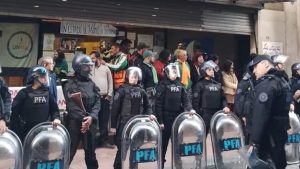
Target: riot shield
[141,144]
[46,147]
[292,146]
[227,138]
[10,151]
[188,142]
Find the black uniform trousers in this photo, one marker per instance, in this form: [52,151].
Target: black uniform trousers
[88,142]
[118,142]
[104,118]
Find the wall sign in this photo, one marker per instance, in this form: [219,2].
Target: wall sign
[87,28]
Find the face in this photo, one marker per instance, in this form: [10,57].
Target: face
[114,50]
[173,74]
[261,69]
[49,65]
[298,71]
[232,68]
[42,80]
[280,66]
[200,59]
[93,57]
[182,56]
[210,72]
[133,79]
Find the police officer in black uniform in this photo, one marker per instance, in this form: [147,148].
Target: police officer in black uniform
[5,104]
[208,96]
[33,104]
[295,86]
[270,120]
[82,112]
[129,100]
[171,100]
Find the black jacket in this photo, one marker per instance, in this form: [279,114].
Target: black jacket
[5,101]
[147,80]
[90,95]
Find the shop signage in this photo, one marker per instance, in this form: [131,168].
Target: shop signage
[87,28]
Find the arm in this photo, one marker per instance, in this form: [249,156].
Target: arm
[146,104]
[17,107]
[6,98]
[261,111]
[97,105]
[53,108]
[227,83]
[197,98]
[185,100]
[118,66]
[159,103]
[110,83]
[116,107]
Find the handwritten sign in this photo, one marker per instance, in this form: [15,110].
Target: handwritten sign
[272,48]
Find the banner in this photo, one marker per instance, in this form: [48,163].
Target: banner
[272,48]
[18,45]
[87,28]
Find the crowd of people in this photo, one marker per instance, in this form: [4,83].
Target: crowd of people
[120,85]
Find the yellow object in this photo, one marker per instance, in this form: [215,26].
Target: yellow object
[90,46]
[185,74]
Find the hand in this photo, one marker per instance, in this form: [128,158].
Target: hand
[162,126]
[87,121]
[3,127]
[56,122]
[152,117]
[108,98]
[226,110]
[113,131]
[192,112]
[245,121]
[292,107]
[250,150]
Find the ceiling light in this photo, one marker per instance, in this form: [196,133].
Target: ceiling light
[118,4]
[154,15]
[36,6]
[156,8]
[64,0]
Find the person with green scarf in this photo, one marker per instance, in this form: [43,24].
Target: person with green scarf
[149,80]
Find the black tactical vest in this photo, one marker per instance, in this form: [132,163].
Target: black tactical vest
[132,102]
[211,96]
[173,95]
[36,106]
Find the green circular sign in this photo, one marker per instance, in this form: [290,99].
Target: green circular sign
[20,45]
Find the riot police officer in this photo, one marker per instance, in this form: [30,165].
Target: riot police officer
[270,119]
[171,100]
[208,96]
[83,104]
[5,104]
[295,86]
[129,100]
[33,104]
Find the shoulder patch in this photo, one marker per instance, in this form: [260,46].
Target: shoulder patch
[263,97]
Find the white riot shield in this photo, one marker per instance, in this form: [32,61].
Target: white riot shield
[227,139]
[188,142]
[141,144]
[10,151]
[292,146]
[47,147]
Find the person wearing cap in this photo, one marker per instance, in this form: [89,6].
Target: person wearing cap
[149,80]
[270,119]
[101,76]
[137,57]
[5,104]
[208,96]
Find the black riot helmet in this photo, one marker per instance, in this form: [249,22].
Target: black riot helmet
[36,72]
[294,68]
[82,65]
[133,75]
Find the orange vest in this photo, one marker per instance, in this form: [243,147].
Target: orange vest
[119,78]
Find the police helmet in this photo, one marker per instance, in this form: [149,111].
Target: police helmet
[295,67]
[172,71]
[80,63]
[133,71]
[36,72]
[279,59]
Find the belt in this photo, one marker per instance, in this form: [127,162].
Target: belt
[103,96]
